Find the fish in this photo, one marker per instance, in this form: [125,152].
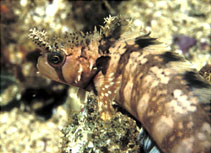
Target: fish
[159,87]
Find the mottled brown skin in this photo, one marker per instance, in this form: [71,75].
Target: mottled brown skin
[158,87]
[153,91]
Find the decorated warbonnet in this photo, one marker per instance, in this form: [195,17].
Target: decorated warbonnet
[157,86]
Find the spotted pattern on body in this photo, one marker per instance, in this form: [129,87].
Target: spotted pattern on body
[157,86]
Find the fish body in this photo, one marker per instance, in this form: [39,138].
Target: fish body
[157,86]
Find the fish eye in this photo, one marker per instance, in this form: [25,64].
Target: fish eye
[56,58]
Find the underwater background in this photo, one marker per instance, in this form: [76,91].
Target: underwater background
[40,115]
